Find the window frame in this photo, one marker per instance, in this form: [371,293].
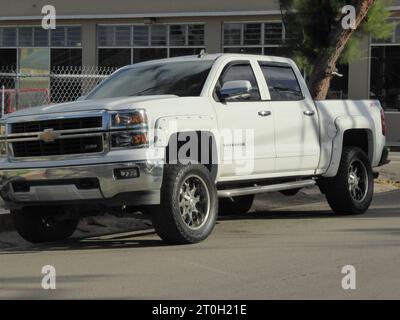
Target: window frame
[378,44]
[279,65]
[386,107]
[32,27]
[262,46]
[149,45]
[17,47]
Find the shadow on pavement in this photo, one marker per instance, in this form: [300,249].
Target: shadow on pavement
[383,207]
[273,215]
[313,214]
[125,241]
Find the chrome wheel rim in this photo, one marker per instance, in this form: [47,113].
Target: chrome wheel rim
[194,202]
[358,181]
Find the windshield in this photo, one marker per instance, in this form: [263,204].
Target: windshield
[184,79]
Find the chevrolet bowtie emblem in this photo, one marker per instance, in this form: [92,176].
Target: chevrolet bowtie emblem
[48,135]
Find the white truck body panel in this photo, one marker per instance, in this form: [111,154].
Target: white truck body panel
[300,138]
[336,117]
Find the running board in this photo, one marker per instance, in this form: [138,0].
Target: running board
[265,189]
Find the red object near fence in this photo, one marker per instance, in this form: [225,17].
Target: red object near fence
[17,99]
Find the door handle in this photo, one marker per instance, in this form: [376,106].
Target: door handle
[309,113]
[264,113]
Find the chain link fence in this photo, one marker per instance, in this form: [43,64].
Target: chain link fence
[20,90]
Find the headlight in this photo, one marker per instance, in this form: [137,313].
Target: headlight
[127,119]
[3,142]
[129,129]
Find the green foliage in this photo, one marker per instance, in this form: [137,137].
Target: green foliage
[308,24]
[352,51]
[377,24]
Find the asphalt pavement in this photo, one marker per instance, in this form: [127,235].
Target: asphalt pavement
[286,248]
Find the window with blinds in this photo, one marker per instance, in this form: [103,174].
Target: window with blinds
[118,44]
[22,37]
[253,38]
[9,37]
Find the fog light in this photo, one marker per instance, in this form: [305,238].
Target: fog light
[126,173]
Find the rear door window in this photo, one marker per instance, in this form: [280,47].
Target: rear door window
[282,82]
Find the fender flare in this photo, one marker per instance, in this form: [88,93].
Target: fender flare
[343,124]
[166,127]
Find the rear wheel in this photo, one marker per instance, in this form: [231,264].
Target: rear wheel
[44,224]
[351,191]
[189,205]
[235,205]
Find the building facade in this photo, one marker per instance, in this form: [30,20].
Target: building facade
[119,32]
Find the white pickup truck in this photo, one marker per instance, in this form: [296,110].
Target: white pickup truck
[185,139]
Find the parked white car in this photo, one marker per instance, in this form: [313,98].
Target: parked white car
[251,120]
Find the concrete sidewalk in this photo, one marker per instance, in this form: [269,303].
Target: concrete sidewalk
[392,170]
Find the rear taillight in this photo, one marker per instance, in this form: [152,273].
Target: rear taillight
[383,122]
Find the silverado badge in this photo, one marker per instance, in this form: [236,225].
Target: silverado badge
[48,135]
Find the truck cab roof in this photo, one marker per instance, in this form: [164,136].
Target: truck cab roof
[214,57]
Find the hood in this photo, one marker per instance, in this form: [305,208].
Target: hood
[88,105]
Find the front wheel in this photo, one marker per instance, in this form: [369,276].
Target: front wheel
[44,224]
[189,205]
[351,191]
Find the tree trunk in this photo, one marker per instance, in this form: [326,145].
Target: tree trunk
[325,65]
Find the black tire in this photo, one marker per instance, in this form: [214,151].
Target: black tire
[342,197]
[236,205]
[173,225]
[43,224]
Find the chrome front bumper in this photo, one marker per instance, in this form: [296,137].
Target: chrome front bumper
[60,184]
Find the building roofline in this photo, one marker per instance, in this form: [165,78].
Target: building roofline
[147,15]
[157,15]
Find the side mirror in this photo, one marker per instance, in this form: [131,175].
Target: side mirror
[235,90]
[81,98]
